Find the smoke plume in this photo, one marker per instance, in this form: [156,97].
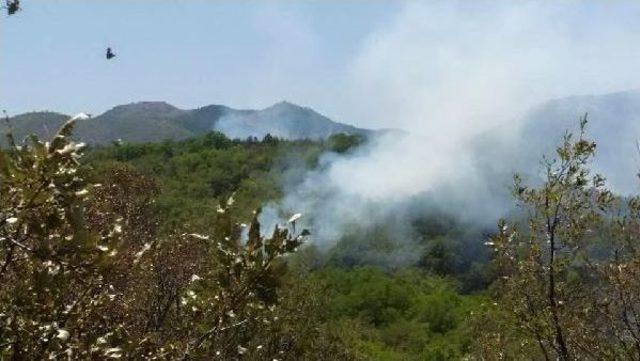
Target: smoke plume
[458,78]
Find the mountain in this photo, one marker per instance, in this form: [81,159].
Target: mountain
[39,123]
[204,119]
[157,121]
[518,147]
[138,122]
[284,120]
[613,123]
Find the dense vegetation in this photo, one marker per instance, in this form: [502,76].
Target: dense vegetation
[195,175]
[154,251]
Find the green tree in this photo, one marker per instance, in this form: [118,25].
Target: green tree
[567,277]
[85,274]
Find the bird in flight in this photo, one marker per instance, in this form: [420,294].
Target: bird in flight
[12,6]
[110,54]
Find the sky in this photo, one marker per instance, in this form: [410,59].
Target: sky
[188,53]
[370,63]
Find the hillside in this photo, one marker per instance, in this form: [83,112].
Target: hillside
[156,121]
[39,123]
[194,176]
[284,120]
[614,121]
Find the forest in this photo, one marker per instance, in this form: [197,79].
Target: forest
[155,251]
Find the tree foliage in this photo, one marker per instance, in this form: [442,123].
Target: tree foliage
[403,315]
[85,274]
[569,275]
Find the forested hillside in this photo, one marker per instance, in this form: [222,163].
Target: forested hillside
[195,176]
[150,207]
[155,251]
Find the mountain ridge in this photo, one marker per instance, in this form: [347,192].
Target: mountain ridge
[152,121]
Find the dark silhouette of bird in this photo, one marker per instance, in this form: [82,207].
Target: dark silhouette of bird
[12,6]
[110,54]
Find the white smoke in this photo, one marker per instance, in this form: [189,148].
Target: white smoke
[451,73]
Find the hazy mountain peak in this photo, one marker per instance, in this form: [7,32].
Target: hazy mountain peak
[154,107]
[285,104]
[212,107]
[292,112]
[283,119]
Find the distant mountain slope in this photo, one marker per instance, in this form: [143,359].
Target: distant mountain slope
[204,119]
[284,120]
[614,123]
[157,121]
[137,122]
[42,124]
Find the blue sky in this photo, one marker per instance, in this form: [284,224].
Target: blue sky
[189,53]
[419,65]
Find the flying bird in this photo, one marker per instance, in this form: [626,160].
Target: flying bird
[12,6]
[110,54]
